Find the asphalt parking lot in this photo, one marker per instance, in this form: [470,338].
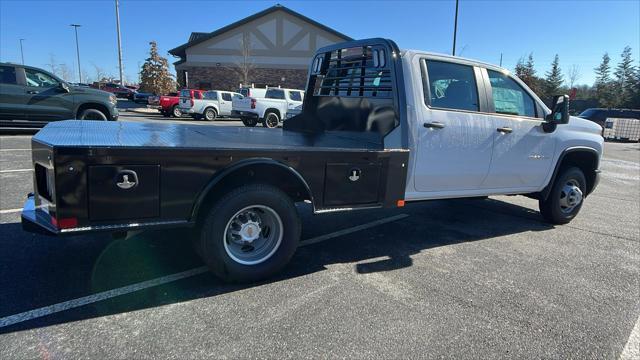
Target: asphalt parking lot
[439,279]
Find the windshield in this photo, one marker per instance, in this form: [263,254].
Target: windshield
[587,113]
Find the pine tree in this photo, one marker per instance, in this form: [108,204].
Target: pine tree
[554,79]
[527,73]
[603,83]
[520,69]
[625,82]
[154,76]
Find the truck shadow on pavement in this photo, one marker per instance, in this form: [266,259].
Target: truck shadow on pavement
[38,271]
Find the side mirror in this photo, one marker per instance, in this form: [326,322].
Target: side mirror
[64,87]
[559,113]
[559,110]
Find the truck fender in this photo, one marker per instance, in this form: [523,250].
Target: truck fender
[221,174]
[547,189]
[274,110]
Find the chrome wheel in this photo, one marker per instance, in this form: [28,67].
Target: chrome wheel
[570,196]
[176,112]
[210,114]
[253,235]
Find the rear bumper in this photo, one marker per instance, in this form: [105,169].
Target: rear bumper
[243,114]
[35,220]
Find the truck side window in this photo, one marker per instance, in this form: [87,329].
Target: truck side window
[275,94]
[40,79]
[226,96]
[211,95]
[197,95]
[295,96]
[509,97]
[452,86]
[7,75]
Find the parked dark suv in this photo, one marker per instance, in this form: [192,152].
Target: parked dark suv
[600,115]
[31,97]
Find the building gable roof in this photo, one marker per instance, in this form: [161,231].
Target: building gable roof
[198,37]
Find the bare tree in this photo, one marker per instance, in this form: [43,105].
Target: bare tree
[100,74]
[53,65]
[88,79]
[573,75]
[244,65]
[64,72]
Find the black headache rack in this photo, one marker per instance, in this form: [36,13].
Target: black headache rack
[355,86]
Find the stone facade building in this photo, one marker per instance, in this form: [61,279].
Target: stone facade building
[273,47]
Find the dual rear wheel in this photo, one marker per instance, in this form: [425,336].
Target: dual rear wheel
[249,234]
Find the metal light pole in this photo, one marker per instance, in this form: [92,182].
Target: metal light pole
[21,51]
[76,26]
[455,30]
[119,46]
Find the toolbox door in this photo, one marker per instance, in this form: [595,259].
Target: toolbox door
[351,183]
[118,192]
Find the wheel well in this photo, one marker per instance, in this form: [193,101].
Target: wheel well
[276,111]
[210,107]
[585,160]
[96,106]
[275,174]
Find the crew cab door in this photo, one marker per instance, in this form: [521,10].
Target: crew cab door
[225,103]
[11,94]
[522,152]
[454,140]
[44,98]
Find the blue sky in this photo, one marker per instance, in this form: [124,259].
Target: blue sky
[579,31]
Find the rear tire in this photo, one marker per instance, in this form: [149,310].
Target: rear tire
[92,114]
[176,112]
[250,234]
[250,122]
[566,197]
[271,120]
[210,114]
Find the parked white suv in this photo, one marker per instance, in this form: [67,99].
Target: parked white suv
[214,103]
[269,110]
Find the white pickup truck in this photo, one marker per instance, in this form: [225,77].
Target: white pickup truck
[379,127]
[214,103]
[269,110]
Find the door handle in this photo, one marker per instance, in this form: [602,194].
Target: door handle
[32,92]
[434,125]
[505,130]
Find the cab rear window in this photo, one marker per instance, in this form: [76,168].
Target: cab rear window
[7,75]
[185,93]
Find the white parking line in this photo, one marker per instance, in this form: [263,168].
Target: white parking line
[631,350]
[15,170]
[90,299]
[10,211]
[15,149]
[351,230]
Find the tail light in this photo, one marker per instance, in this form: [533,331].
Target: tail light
[253,103]
[64,223]
[192,102]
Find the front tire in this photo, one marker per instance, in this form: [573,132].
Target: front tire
[566,197]
[271,120]
[92,114]
[250,234]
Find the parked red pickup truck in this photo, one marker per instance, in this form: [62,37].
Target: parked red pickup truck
[168,105]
